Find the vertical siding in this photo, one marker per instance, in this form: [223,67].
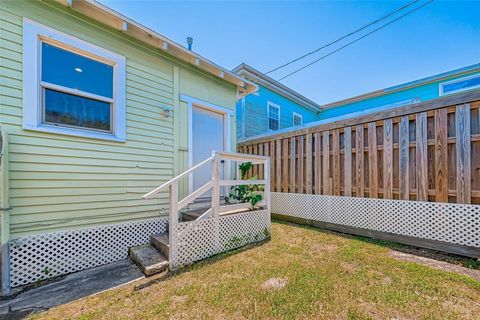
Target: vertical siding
[58,181]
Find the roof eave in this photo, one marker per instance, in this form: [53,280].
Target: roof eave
[247,71]
[115,20]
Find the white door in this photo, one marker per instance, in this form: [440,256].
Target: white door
[208,134]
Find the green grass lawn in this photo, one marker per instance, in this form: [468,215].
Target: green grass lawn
[317,274]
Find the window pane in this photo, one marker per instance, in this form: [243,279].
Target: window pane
[273,112]
[272,124]
[68,69]
[297,120]
[461,84]
[66,109]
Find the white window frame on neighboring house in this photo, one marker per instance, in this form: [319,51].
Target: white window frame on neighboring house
[441,86]
[276,106]
[34,34]
[298,115]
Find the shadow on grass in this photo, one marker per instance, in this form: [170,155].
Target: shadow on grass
[200,264]
[422,252]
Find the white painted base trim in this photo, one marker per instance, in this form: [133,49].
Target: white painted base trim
[48,255]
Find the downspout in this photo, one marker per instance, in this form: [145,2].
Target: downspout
[4,215]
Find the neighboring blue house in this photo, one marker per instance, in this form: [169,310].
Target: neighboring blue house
[272,108]
[451,82]
[252,110]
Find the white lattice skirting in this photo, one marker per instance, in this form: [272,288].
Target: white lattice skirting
[197,240]
[447,222]
[48,255]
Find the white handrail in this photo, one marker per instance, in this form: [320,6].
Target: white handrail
[241,156]
[194,195]
[214,184]
[180,176]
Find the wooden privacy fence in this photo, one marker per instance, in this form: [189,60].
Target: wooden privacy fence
[428,151]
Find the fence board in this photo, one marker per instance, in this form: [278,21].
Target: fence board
[336,161]
[326,162]
[421,156]
[284,165]
[255,167]
[404,170]
[293,164]
[428,151]
[372,161]
[347,161]
[300,163]
[462,129]
[441,156]
[278,165]
[318,163]
[359,155]
[388,159]
[308,164]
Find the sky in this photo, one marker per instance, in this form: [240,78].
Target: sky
[442,36]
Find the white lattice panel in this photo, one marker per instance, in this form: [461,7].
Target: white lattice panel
[193,241]
[44,256]
[449,222]
[197,240]
[241,229]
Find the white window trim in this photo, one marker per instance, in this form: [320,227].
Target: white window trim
[293,119]
[33,32]
[272,105]
[441,85]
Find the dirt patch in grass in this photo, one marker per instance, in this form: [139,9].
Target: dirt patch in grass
[328,276]
[436,264]
[274,283]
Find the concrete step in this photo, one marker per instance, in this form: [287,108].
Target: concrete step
[148,259]
[161,243]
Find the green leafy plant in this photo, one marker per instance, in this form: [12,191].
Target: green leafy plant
[246,193]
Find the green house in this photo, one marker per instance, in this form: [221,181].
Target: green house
[95,111]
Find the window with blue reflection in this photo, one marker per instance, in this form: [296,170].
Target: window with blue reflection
[68,69]
[71,110]
[85,97]
[461,84]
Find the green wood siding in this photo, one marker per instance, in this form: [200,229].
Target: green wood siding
[58,181]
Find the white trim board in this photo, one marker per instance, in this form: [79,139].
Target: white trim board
[227,114]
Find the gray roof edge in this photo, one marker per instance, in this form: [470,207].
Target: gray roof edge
[276,86]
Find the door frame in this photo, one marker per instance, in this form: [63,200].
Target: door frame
[227,113]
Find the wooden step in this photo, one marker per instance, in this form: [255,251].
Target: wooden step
[148,259]
[192,214]
[161,243]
